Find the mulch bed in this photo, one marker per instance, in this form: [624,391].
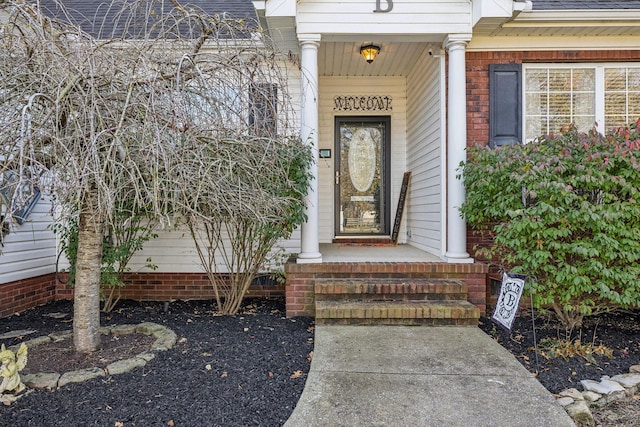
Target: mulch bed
[250,369]
[618,331]
[242,370]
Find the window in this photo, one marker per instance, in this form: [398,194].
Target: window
[263,108]
[582,94]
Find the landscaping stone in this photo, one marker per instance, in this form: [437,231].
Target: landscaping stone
[605,386]
[565,401]
[31,343]
[19,333]
[122,366]
[148,356]
[573,393]
[591,396]
[598,394]
[627,380]
[60,335]
[124,329]
[41,380]
[80,376]
[580,413]
[149,328]
[635,369]
[165,339]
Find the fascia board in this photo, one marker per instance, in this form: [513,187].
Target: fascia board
[584,18]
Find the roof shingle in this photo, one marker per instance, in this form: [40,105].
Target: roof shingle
[102,17]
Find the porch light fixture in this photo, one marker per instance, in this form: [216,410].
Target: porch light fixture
[369,52]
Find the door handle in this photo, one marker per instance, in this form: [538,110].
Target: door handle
[337,177]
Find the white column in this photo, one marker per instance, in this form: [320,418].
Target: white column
[310,247]
[456,144]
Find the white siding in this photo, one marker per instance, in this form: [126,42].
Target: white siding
[419,17]
[30,249]
[345,86]
[174,252]
[424,130]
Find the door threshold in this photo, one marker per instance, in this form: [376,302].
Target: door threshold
[363,241]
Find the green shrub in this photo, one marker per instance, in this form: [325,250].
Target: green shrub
[126,235]
[564,210]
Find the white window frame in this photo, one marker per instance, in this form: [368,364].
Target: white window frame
[599,96]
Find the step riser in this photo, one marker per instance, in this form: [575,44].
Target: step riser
[398,312]
[390,290]
[391,297]
[393,301]
[399,322]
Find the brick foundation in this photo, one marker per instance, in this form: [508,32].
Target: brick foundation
[301,279]
[24,294]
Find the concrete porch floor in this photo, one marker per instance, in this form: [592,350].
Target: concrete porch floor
[355,253]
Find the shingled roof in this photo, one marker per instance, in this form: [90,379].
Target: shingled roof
[101,17]
[584,4]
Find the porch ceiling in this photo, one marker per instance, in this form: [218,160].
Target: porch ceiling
[395,58]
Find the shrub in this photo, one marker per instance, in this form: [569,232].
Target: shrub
[126,235]
[564,210]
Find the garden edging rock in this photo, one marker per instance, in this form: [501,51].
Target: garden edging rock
[165,339]
[598,393]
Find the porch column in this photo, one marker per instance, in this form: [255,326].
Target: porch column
[309,245]
[456,144]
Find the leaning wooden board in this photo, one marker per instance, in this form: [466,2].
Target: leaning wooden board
[401,202]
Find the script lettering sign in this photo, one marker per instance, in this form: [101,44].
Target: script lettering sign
[362,103]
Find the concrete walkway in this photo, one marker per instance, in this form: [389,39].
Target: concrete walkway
[419,376]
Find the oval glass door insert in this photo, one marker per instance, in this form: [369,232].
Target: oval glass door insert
[362,159]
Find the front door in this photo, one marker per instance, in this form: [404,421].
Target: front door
[362,175]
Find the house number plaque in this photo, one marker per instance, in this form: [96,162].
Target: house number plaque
[379,8]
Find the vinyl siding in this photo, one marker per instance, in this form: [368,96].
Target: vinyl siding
[424,145]
[30,249]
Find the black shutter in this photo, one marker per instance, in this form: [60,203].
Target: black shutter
[505,104]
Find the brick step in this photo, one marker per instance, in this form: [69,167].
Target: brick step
[389,289]
[436,313]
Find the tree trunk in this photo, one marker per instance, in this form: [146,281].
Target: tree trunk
[86,303]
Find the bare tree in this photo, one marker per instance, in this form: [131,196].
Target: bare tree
[134,107]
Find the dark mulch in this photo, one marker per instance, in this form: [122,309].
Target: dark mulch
[60,356]
[250,369]
[618,331]
[242,370]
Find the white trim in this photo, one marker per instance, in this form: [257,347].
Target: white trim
[550,43]
[575,18]
[443,153]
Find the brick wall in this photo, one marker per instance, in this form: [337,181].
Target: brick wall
[23,294]
[300,293]
[478,79]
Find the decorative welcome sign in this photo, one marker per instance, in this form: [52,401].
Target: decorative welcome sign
[509,300]
[362,103]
